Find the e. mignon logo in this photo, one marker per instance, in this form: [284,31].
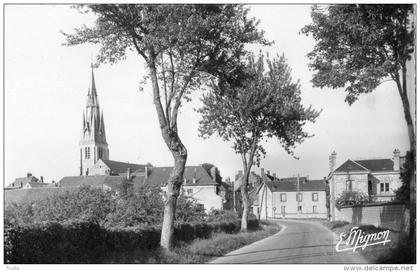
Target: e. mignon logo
[358,239]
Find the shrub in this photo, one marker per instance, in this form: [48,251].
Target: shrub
[88,242]
[351,198]
[222,215]
[189,210]
[142,207]
[135,208]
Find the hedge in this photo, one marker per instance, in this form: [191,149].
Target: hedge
[87,242]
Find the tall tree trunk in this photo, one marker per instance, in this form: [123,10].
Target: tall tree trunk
[247,163]
[412,137]
[179,153]
[172,193]
[245,203]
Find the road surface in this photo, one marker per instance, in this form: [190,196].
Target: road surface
[297,242]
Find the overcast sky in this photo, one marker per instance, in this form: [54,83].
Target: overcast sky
[46,85]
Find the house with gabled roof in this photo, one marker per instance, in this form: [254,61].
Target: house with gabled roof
[377,178]
[292,197]
[27,182]
[110,167]
[201,182]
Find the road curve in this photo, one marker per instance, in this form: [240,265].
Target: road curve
[297,242]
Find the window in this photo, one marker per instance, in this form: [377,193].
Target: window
[314,209]
[283,197]
[384,187]
[299,209]
[299,197]
[99,153]
[314,196]
[87,152]
[349,185]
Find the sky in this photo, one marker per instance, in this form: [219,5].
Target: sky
[46,84]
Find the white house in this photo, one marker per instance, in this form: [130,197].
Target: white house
[199,183]
[291,198]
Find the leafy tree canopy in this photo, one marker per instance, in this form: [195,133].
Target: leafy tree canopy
[268,104]
[359,46]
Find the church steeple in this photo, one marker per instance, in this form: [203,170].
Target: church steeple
[93,145]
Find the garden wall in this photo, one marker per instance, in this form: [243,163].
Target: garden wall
[388,215]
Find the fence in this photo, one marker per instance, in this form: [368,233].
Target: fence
[391,216]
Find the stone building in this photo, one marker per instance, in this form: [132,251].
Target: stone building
[93,144]
[109,167]
[378,178]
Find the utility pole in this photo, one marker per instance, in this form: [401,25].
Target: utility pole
[298,192]
[332,189]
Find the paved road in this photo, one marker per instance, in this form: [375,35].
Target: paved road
[297,242]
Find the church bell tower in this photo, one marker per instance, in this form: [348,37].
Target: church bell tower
[93,145]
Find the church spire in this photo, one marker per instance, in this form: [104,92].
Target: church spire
[92,95]
[93,87]
[93,144]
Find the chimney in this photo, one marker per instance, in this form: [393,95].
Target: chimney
[268,172]
[195,175]
[333,159]
[28,175]
[42,179]
[396,160]
[128,173]
[274,175]
[146,172]
[213,172]
[262,172]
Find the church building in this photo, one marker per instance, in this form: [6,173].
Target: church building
[93,145]
[97,170]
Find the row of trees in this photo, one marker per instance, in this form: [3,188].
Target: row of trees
[188,48]
[358,47]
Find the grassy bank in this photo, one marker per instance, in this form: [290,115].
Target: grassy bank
[199,250]
[398,251]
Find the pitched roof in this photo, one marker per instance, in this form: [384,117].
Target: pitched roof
[19,182]
[373,165]
[290,184]
[94,181]
[159,176]
[121,167]
[377,165]
[38,184]
[351,166]
[293,179]
[32,194]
